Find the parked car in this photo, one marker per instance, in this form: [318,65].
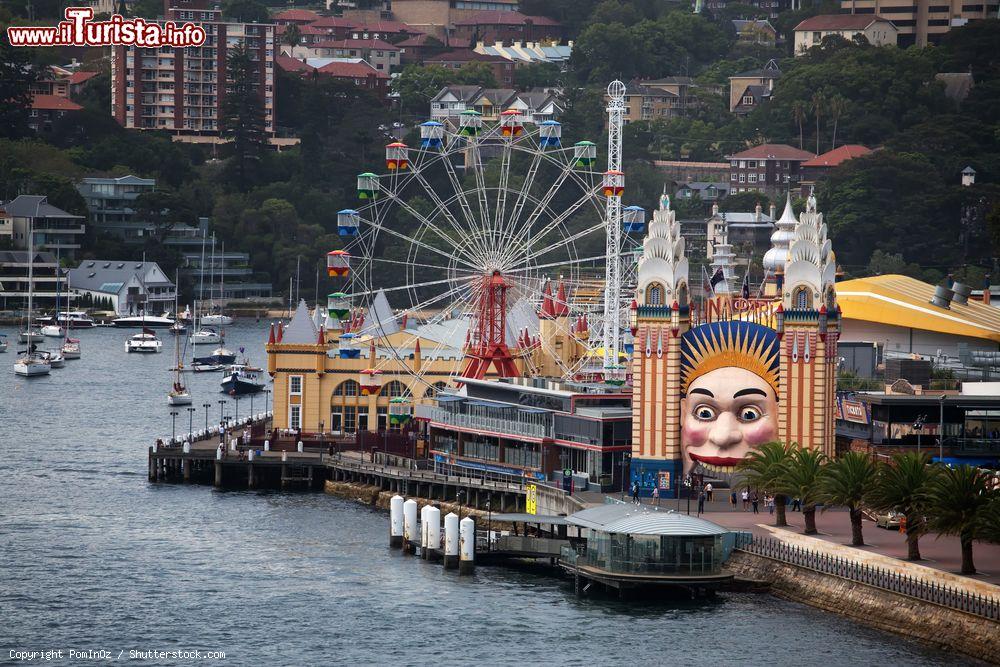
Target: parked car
[889,520]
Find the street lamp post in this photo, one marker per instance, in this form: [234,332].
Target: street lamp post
[625,461]
[222,404]
[237,399]
[191,412]
[206,406]
[941,430]
[251,405]
[267,393]
[173,425]
[918,426]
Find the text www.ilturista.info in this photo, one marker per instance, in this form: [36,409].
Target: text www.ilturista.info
[80,30]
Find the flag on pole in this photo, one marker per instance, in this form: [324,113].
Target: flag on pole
[745,291]
[706,282]
[717,277]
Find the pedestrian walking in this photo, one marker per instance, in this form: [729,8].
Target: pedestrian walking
[745,496]
[701,501]
[708,492]
[769,501]
[755,501]
[656,495]
[732,500]
[635,492]
[796,505]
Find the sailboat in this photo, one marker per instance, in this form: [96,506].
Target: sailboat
[30,363]
[204,335]
[179,394]
[218,319]
[70,346]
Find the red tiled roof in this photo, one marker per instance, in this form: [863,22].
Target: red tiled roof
[80,77]
[332,22]
[499,17]
[840,22]
[420,39]
[355,44]
[464,56]
[773,152]
[54,102]
[386,26]
[290,64]
[312,29]
[296,15]
[352,70]
[837,156]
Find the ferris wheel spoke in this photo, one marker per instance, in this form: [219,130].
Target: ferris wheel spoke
[477,169]
[566,240]
[541,206]
[466,235]
[522,196]
[552,265]
[436,267]
[498,213]
[554,223]
[463,201]
[411,240]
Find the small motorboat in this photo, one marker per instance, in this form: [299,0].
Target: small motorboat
[143,342]
[242,379]
[56,360]
[220,355]
[206,337]
[33,335]
[30,364]
[144,321]
[216,320]
[178,328]
[3,342]
[207,368]
[179,395]
[53,331]
[74,319]
[71,348]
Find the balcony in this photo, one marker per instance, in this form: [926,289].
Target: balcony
[495,425]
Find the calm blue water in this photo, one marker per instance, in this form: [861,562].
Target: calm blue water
[92,556]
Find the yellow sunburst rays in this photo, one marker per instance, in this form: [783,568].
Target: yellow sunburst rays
[722,344]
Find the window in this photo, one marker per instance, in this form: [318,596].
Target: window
[295,416]
[732,176]
[394,389]
[347,388]
[295,385]
[654,295]
[801,298]
[751,164]
[743,178]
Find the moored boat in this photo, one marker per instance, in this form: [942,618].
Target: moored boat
[56,360]
[3,342]
[243,379]
[206,337]
[31,364]
[71,348]
[146,342]
[143,321]
[53,331]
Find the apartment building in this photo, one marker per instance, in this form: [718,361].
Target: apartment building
[111,203]
[750,89]
[768,168]
[503,69]
[182,90]
[923,22]
[661,98]
[380,54]
[52,228]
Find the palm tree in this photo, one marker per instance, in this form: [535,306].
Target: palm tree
[817,106]
[292,36]
[763,468]
[903,485]
[846,481]
[801,479]
[799,114]
[958,500]
[989,522]
[838,104]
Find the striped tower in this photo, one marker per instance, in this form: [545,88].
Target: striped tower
[808,324]
[661,316]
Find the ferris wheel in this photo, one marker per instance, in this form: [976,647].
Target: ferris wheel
[463,239]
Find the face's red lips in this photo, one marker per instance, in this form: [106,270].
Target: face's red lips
[715,460]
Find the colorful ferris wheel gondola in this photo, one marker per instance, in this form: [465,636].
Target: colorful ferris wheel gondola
[338,304]
[550,134]
[633,220]
[431,134]
[400,410]
[613,184]
[338,263]
[347,347]
[511,123]
[584,154]
[348,222]
[470,123]
[397,156]
[367,185]
[370,380]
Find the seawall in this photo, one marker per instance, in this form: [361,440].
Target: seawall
[929,623]
[376,497]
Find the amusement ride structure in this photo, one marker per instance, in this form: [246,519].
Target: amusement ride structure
[485,239]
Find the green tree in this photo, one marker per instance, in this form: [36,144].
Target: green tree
[801,478]
[16,78]
[989,522]
[245,11]
[904,485]
[538,75]
[838,105]
[292,36]
[242,115]
[764,469]
[163,209]
[816,104]
[846,481]
[958,499]
[799,114]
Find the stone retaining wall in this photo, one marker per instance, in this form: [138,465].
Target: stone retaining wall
[929,623]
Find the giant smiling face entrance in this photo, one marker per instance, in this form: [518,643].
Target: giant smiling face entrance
[729,379]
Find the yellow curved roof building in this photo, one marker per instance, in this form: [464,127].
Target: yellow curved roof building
[905,302]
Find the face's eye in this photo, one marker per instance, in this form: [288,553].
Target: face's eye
[750,413]
[704,413]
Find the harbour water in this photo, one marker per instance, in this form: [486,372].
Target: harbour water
[93,556]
